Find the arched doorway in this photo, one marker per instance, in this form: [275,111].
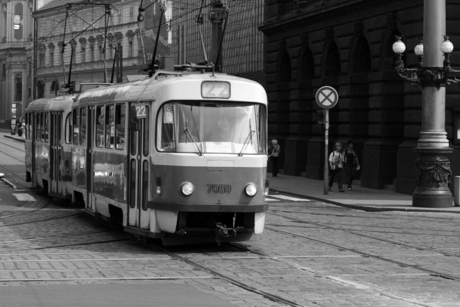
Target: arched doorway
[278,124]
[359,91]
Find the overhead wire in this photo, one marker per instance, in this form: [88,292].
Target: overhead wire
[170,21]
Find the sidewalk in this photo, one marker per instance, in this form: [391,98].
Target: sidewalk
[358,198]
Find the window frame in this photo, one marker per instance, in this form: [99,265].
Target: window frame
[120,125]
[68,128]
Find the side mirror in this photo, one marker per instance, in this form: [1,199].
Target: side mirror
[133,120]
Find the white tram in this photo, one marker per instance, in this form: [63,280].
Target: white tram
[178,156]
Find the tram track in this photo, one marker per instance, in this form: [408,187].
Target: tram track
[210,273]
[288,261]
[65,245]
[366,254]
[19,147]
[242,285]
[418,247]
[40,220]
[29,211]
[54,237]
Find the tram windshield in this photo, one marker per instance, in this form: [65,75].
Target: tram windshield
[212,127]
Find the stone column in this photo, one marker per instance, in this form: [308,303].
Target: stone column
[433,147]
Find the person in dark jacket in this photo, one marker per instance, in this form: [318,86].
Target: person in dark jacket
[273,155]
[351,163]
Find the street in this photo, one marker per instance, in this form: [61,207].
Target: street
[310,254]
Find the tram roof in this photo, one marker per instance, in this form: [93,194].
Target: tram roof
[59,103]
[172,86]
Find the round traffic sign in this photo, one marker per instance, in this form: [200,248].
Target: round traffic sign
[327,97]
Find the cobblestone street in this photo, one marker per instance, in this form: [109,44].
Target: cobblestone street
[311,254]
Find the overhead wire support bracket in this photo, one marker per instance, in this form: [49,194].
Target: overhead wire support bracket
[151,68]
[140,17]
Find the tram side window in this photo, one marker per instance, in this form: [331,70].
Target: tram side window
[146,132]
[37,125]
[31,125]
[165,127]
[40,132]
[76,122]
[100,120]
[26,126]
[68,128]
[83,126]
[45,127]
[110,126]
[120,116]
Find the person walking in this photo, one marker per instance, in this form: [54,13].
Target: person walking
[351,163]
[335,166]
[273,155]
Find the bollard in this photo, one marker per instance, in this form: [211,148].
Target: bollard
[457,191]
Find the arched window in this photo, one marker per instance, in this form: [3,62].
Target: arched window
[41,55]
[91,41]
[285,69]
[307,66]
[332,67]
[55,87]
[40,89]
[3,24]
[51,48]
[361,57]
[18,87]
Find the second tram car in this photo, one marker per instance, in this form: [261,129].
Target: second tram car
[178,156]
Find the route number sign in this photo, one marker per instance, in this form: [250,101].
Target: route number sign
[327,97]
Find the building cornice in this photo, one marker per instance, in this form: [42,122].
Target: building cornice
[318,11]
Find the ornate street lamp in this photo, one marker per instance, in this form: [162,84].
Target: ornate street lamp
[426,76]
[433,75]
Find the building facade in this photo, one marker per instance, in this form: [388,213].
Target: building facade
[16,32]
[91,37]
[348,45]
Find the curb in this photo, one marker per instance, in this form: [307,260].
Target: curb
[19,139]
[366,208]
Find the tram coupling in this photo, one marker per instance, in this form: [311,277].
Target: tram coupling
[223,232]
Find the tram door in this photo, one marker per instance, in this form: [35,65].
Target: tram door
[89,159]
[139,142]
[55,150]
[33,117]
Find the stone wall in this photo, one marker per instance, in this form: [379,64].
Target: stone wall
[347,45]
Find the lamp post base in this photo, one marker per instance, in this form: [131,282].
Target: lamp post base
[435,175]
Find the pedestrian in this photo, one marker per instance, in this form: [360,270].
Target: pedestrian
[335,166]
[351,163]
[273,155]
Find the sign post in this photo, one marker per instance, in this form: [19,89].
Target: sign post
[326,97]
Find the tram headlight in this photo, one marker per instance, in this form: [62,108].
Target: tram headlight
[187,188]
[250,189]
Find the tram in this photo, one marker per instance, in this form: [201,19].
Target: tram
[177,156]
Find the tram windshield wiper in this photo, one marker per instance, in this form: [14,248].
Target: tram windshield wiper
[246,142]
[189,136]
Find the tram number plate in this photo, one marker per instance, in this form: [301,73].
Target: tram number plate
[141,111]
[215,89]
[219,188]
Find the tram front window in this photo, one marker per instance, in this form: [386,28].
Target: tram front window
[212,127]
